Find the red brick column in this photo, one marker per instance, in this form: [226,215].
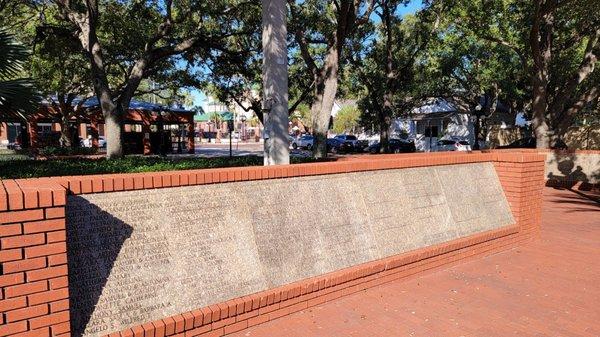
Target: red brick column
[146,140]
[95,135]
[34,292]
[522,178]
[3,132]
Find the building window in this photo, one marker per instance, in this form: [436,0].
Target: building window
[431,131]
[133,128]
[445,124]
[44,128]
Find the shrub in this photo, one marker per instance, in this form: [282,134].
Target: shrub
[51,151]
[14,169]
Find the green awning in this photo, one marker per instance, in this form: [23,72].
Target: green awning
[205,117]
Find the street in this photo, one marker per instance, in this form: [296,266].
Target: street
[238,149]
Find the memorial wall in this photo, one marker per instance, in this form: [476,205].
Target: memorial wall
[573,166]
[138,256]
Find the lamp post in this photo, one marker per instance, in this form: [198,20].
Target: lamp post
[478,111]
[230,128]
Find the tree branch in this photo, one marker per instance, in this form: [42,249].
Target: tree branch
[585,68]
[302,97]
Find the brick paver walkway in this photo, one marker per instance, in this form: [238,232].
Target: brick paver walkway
[550,287]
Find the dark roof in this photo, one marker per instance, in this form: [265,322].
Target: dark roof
[92,102]
[432,115]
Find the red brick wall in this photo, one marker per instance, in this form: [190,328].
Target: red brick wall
[33,257]
[34,293]
[522,178]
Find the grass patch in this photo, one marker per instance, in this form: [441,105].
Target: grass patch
[29,168]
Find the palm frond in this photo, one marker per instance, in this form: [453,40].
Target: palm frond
[12,56]
[18,98]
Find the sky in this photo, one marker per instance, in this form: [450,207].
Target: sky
[200,98]
[411,7]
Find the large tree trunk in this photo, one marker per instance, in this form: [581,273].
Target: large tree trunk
[65,131]
[539,121]
[540,40]
[112,120]
[113,129]
[385,114]
[112,112]
[325,92]
[384,128]
[476,132]
[325,78]
[64,108]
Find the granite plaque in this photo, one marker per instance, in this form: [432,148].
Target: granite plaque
[138,256]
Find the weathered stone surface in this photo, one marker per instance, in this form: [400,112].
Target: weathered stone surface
[138,256]
[573,166]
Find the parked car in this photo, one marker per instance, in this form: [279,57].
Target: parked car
[396,145]
[453,145]
[347,138]
[14,146]
[357,145]
[305,141]
[88,142]
[361,145]
[335,145]
[530,143]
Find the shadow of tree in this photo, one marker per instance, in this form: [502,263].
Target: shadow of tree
[580,201]
[92,248]
[596,173]
[573,168]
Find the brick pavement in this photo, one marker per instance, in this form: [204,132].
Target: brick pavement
[550,287]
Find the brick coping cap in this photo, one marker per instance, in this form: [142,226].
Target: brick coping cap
[30,193]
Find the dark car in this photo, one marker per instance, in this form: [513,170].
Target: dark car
[351,143]
[530,143]
[395,146]
[523,143]
[361,145]
[335,145]
[347,138]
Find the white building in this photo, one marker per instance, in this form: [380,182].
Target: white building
[439,119]
[434,120]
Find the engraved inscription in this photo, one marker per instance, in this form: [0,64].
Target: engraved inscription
[138,256]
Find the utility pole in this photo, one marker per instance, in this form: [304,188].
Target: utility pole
[275,82]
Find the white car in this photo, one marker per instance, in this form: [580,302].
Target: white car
[88,141]
[347,138]
[305,141]
[453,145]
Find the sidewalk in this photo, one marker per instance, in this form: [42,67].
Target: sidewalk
[550,287]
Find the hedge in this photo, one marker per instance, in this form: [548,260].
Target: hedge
[30,168]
